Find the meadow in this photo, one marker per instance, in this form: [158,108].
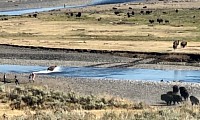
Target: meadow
[58,29]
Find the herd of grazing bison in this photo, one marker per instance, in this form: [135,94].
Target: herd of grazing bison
[130,13]
[175,97]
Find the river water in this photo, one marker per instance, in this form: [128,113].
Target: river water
[108,73]
[95,2]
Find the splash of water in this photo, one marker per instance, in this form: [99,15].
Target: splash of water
[56,69]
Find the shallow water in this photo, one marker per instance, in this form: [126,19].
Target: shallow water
[108,73]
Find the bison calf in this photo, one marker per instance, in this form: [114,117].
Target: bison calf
[194,100]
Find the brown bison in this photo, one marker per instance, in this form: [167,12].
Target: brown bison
[183,44]
[51,68]
[175,44]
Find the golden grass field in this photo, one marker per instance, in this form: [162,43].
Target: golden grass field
[58,30]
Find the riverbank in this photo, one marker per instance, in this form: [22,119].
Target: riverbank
[137,91]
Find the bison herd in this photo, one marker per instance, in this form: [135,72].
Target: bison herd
[143,12]
[79,14]
[174,96]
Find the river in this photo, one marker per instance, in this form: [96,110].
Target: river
[108,73]
[32,10]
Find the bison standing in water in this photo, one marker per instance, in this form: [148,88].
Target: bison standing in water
[51,68]
[183,44]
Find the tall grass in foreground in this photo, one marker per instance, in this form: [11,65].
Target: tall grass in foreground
[44,104]
[182,113]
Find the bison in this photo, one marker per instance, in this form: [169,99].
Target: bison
[148,12]
[171,98]
[35,15]
[79,14]
[184,93]
[166,21]
[175,44]
[151,21]
[194,100]
[116,12]
[51,68]
[175,89]
[133,13]
[183,44]
[128,14]
[159,20]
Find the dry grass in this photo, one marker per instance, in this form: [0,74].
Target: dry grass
[61,31]
[184,111]
[76,34]
[11,94]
